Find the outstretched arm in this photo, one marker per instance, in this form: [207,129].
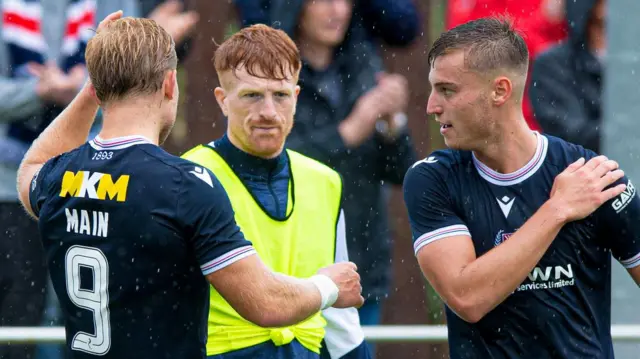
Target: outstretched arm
[270,299]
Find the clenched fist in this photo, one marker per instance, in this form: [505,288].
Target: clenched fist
[347,279]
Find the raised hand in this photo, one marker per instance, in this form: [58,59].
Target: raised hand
[580,189]
[178,24]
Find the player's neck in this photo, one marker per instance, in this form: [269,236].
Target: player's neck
[131,119]
[510,150]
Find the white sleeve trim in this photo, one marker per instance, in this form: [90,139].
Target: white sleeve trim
[631,262]
[227,259]
[343,332]
[444,232]
[342,254]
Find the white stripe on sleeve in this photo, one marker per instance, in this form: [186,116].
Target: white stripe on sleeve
[227,259]
[444,232]
[631,262]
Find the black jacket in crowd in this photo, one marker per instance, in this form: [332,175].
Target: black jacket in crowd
[566,84]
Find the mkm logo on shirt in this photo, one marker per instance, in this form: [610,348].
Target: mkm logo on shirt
[94,185]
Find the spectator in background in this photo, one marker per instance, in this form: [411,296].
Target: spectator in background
[393,22]
[41,70]
[541,23]
[171,16]
[350,116]
[567,79]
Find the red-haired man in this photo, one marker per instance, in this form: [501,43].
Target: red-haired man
[288,204]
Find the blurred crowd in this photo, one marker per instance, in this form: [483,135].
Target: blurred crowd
[351,113]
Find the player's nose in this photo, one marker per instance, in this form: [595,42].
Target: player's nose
[433,106]
[268,109]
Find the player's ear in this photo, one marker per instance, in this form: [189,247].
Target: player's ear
[221,97]
[296,92]
[502,90]
[92,91]
[170,84]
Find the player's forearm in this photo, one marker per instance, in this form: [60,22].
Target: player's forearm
[68,131]
[491,278]
[287,300]
[266,298]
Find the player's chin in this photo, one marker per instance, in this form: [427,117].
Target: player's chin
[268,145]
[457,143]
[452,143]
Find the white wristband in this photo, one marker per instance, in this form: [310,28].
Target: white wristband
[328,290]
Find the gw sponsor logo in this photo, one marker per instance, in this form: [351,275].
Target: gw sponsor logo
[94,185]
[624,199]
[549,278]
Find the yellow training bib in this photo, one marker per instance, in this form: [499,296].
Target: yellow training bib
[297,246]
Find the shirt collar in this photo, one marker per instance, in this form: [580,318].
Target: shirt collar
[118,143]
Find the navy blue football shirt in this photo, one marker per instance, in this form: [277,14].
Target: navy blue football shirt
[563,308]
[129,230]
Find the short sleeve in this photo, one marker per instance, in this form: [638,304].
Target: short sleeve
[38,191]
[619,221]
[205,211]
[429,205]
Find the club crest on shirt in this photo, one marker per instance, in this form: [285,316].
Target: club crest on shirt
[501,237]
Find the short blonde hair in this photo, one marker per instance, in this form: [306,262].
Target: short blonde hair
[262,50]
[130,56]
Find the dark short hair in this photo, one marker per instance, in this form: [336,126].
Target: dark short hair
[489,43]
